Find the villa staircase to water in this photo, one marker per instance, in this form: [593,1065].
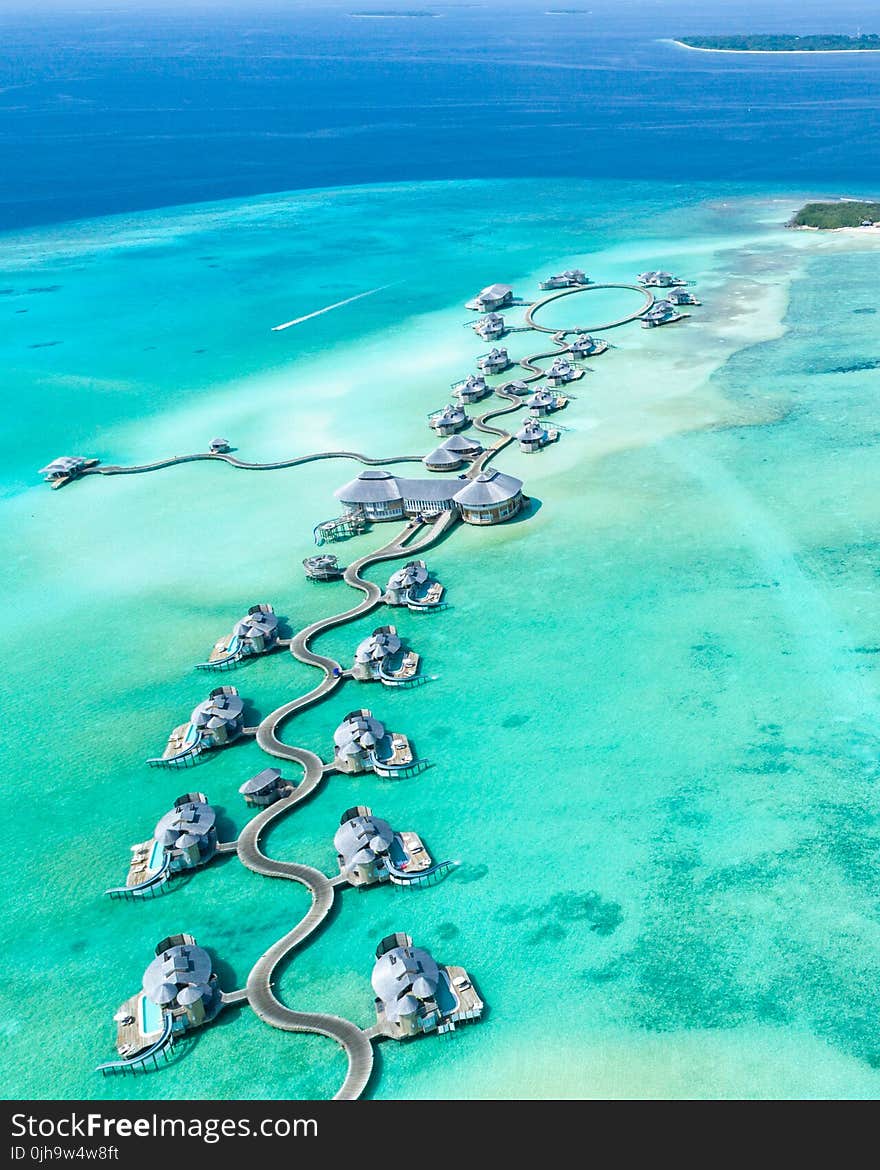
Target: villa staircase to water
[416,680]
[424,877]
[352,523]
[150,887]
[188,758]
[150,1056]
[226,663]
[399,771]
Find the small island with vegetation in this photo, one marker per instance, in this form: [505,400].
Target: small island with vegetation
[841,213]
[784,43]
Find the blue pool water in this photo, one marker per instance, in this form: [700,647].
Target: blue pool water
[151,1016]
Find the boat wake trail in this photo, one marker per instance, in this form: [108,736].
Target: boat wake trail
[329,308]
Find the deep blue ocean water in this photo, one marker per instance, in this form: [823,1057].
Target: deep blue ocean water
[110,111]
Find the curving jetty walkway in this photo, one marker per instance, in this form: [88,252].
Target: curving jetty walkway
[260,995]
[567,292]
[402,545]
[219,456]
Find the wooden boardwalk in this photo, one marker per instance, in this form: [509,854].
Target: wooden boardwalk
[241,464]
[567,292]
[415,536]
[259,993]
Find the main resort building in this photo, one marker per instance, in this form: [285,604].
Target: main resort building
[488,498]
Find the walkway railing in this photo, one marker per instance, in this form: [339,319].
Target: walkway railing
[138,1063]
[149,887]
[424,877]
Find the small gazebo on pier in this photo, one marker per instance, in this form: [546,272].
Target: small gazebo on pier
[265,788]
[322,567]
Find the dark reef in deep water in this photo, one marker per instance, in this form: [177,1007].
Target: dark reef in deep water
[853,367]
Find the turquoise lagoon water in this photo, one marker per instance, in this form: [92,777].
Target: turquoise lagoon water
[653,721]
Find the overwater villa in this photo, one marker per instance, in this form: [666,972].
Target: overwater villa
[544,402]
[383,658]
[681,296]
[571,278]
[67,467]
[369,851]
[496,296]
[256,633]
[414,587]
[488,499]
[586,346]
[532,436]
[490,327]
[213,724]
[661,313]
[415,995]
[265,788]
[465,445]
[219,446]
[452,453]
[442,459]
[496,361]
[656,279]
[361,743]
[472,389]
[184,838]
[322,567]
[563,371]
[449,420]
[179,993]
